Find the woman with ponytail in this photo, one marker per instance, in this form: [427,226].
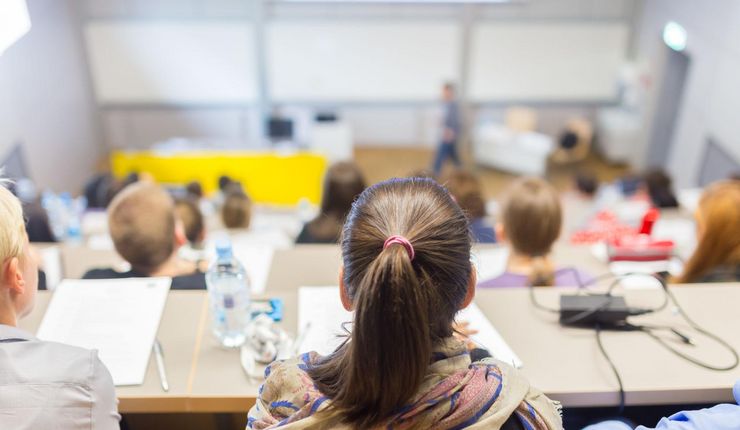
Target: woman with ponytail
[406,273]
[531,220]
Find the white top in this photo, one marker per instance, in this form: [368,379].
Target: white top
[46,385]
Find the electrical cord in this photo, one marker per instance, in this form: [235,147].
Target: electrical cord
[698,329]
[668,296]
[622,402]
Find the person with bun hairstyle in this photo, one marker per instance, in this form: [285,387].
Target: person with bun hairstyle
[531,221]
[406,273]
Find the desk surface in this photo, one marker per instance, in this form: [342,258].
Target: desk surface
[564,362]
[178,334]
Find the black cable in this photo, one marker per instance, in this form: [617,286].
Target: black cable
[622,402]
[699,329]
[537,304]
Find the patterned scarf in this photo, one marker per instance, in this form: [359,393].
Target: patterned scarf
[454,395]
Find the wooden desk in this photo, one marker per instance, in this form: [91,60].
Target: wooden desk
[178,333]
[564,362]
[304,265]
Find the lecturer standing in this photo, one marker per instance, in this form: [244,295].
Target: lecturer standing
[450,130]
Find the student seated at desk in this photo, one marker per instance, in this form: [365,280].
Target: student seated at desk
[466,189]
[532,220]
[659,187]
[717,254]
[147,234]
[406,273]
[195,231]
[45,385]
[236,212]
[236,216]
[343,183]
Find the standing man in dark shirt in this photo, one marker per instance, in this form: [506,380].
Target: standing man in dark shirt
[450,130]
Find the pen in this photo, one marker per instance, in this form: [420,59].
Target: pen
[159,357]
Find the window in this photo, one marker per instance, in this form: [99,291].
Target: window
[14,22]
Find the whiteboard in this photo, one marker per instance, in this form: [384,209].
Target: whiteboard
[367,61]
[546,61]
[172,62]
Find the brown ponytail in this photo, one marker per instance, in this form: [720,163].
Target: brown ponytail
[402,306]
[542,274]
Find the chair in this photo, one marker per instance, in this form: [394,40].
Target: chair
[514,146]
[578,135]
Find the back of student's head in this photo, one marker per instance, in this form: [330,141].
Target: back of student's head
[718,221]
[189,213]
[12,227]
[532,218]
[14,244]
[141,219]
[466,188]
[223,182]
[342,184]
[236,211]
[404,299]
[194,190]
[659,187]
[586,183]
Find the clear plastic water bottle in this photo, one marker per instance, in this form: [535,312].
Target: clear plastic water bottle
[228,291]
[54,210]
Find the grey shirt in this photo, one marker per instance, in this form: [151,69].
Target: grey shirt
[452,117]
[49,385]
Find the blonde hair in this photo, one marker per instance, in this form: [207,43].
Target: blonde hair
[532,219]
[719,244]
[12,228]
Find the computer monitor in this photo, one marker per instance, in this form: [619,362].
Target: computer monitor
[280,129]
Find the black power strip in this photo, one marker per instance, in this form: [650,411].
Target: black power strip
[588,310]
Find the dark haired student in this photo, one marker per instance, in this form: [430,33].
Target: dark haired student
[406,272]
[343,183]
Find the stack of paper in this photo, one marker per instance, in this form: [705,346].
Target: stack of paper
[490,262]
[321,313]
[118,317]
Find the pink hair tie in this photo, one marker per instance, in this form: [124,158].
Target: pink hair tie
[400,240]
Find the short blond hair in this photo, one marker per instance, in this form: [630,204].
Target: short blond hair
[141,220]
[12,227]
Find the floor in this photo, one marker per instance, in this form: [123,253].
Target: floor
[379,163]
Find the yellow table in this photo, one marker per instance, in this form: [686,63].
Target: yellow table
[268,177]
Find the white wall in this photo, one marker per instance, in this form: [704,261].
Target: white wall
[711,103]
[46,101]
[378,123]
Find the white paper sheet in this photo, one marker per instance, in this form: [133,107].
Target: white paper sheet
[253,250]
[118,317]
[322,308]
[257,261]
[51,262]
[674,267]
[490,262]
